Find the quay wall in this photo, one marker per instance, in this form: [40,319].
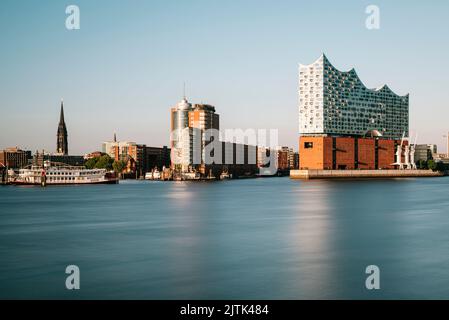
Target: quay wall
[357,174]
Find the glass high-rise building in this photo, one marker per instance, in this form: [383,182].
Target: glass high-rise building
[336,103]
[181,137]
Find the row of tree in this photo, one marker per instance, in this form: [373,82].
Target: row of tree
[106,162]
[432,165]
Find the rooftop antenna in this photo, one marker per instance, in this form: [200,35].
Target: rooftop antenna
[184,90]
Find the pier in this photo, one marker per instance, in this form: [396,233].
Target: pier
[363,174]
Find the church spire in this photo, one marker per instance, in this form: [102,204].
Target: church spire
[61,115]
[61,141]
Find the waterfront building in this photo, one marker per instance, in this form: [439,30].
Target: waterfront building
[287,159]
[283,159]
[39,159]
[349,153]
[62,145]
[425,152]
[14,158]
[203,117]
[293,160]
[139,158]
[156,157]
[189,141]
[345,125]
[121,150]
[71,160]
[336,103]
[181,139]
[236,160]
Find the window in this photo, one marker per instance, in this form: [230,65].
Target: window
[308,145]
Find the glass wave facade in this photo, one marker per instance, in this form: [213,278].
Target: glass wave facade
[336,103]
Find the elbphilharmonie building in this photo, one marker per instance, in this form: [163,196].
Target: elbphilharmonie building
[336,103]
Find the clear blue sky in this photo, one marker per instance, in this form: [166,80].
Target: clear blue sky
[125,67]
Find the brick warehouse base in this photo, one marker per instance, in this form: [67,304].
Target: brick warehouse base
[347,153]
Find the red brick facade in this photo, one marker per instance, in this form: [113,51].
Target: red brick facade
[346,153]
[386,153]
[282,160]
[315,152]
[366,152]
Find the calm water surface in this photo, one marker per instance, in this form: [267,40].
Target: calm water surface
[268,238]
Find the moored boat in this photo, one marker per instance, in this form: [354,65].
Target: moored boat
[61,174]
[153,175]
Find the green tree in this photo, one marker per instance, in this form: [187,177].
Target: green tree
[432,165]
[422,164]
[104,162]
[119,166]
[90,164]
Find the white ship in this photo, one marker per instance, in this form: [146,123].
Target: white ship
[61,174]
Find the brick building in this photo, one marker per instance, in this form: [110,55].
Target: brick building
[14,158]
[139,158]
[283,159]
[344,125]
[347,153]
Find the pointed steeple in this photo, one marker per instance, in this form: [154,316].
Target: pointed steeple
[61,115]
[62,141]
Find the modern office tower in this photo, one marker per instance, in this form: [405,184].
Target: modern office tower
[180,116]
[189,125]
[62,145]
[336,103]
[181,142]
[203,117]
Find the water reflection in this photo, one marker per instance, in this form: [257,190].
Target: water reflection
[312,238]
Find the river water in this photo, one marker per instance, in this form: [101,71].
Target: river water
[267,238]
